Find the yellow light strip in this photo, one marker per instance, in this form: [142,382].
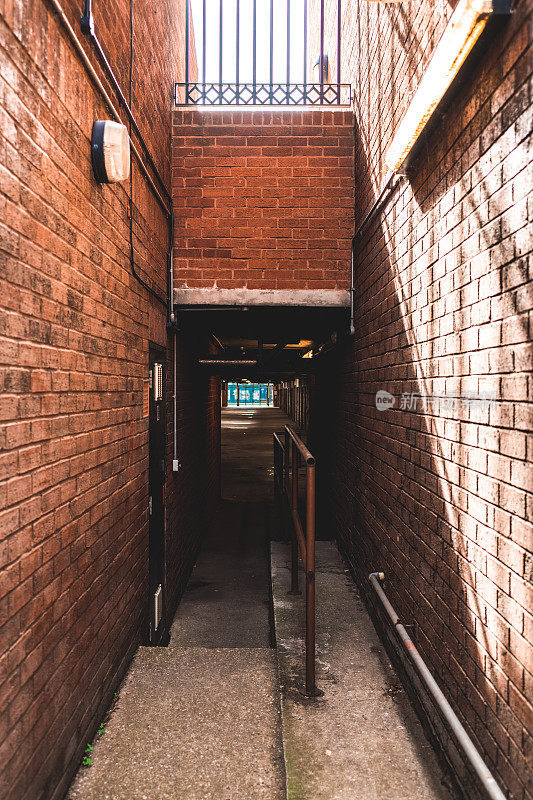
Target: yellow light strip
[462,32]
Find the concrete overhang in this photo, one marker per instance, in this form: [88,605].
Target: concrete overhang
[250,298]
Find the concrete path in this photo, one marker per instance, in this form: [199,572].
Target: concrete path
[201,719]
[361,740]
[227,601]
[191,724]
[247,460]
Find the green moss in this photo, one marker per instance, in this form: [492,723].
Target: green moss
[298,787]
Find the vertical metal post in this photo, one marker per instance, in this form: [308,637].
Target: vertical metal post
[305,50]
[310,634]
[321,60]
[220,52]
[237,46]
[187,35]
[294,507]
[286,464]
[339,4]
[254,49]
[271,44]
[203,43]
[288,47]
[295,458]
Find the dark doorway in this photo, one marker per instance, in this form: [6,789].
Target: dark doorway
[158,632]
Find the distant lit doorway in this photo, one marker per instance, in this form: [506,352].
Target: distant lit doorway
[250,394]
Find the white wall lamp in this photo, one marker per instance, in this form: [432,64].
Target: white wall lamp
[462,32]
[110,151]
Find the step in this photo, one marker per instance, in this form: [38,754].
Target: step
[361,740]
[191,723]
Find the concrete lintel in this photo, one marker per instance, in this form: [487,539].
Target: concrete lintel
[319,298]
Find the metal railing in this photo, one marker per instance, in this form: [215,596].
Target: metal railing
[480,768]
[259,56]
[287,457]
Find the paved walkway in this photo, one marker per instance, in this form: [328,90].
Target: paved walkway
[201,719]
[217,715]
[362,739]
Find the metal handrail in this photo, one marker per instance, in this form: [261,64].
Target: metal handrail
[287,456]
[468,746]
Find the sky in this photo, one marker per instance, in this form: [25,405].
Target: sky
[246,28]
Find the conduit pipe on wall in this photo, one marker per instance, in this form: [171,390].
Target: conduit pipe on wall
[388,185]
[175,461]
[168,211]
[482,771]
[88,27]
[109,103]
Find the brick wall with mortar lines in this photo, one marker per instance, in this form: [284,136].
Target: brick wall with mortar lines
[74,333]
[263,199]
[441,500]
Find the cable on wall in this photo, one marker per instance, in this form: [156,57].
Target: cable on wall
[388,186]
[168,210]
[88,27]
[132,251]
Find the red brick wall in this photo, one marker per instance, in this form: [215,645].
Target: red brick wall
[440,500]
[263,199]
[75,327]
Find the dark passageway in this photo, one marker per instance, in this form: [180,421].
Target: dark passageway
[227,600]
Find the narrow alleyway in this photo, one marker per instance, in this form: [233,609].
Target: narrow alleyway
[218,715]
[323,205]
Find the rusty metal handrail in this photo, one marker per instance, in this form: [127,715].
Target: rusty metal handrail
[287,456]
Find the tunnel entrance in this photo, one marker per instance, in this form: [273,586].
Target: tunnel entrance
[227,600]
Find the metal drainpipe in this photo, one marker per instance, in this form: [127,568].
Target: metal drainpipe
[109,103]
[470,750]
[171,317]
[175,461]
[88,27]
[390,182]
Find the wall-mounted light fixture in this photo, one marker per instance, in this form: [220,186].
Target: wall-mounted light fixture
[462,32]
[110,151]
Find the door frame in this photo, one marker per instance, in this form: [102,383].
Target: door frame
[157,462]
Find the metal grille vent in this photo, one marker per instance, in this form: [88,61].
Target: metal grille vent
[158,382]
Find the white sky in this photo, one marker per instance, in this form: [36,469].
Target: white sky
[263,40]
